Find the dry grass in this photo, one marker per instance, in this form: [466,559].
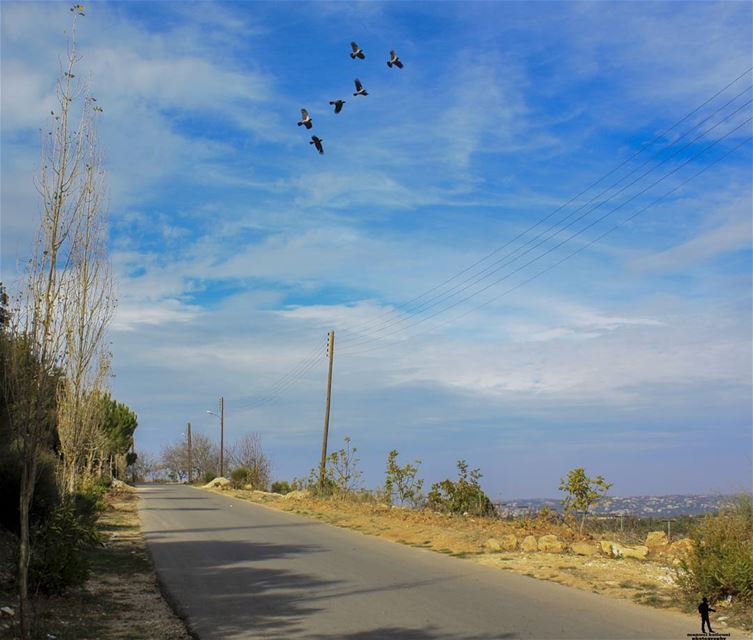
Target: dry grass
[120,600]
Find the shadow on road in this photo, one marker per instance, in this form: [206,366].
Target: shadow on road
[403,633]
[227,582]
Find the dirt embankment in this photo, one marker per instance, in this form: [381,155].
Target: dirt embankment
[537,547]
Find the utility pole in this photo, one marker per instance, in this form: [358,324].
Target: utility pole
[222,436]
[190,462]
[331,353]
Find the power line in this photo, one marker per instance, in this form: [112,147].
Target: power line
[367,339]
[574,235]
[555,211]
[475,279]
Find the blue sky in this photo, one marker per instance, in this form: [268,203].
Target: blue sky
[237,247]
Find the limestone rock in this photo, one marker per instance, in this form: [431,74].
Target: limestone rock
[656,539]
[638,552]
[118,486]
[508,542]
[217,482]
[584,548]
[296,495]
[551,544]
[492,544]
[617,550]
[681,548]
[529,544]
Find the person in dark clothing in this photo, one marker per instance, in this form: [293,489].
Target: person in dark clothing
[704,609]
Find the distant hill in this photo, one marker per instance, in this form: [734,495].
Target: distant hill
[647,506]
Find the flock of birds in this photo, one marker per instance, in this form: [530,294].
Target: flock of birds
[356,53]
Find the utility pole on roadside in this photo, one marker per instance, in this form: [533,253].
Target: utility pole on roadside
[190,462]
[331,354]
[222,436]
[221,416]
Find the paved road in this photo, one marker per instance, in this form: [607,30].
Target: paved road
[239,570]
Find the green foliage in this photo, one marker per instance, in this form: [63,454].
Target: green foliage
[720,563]
[582,492]
[119,424]
[341,475]
[46,494]
[463,496]
[58,545]
[208,476]
[342,469]
[281,486]
[240,477]
[400,482]
[131,458]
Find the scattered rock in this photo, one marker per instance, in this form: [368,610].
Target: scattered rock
[7,611]
[551,544]
[217,482]
[638,552]
[681,548]
[492,545]
[617,550]
[584,548]
[656,539]
[508,542]
[119,485]
[296,495]
[529,544]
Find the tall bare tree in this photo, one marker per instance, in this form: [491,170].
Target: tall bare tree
[90,304]
[66,287]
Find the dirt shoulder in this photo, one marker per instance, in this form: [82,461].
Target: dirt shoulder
[121,599]
[648,582]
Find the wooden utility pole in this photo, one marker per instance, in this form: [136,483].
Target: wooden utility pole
[222,437]
[190,462]
[323,463]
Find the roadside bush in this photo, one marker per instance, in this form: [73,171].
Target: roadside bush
[342,469]
[240,477]
[400,482]
[46,494]
[281,486]
[720,563]
[463,496]
[208,477]
[58,546]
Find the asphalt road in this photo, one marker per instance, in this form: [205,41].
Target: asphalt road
[239,570]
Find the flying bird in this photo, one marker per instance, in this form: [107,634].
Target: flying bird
[394,60]
[306,120]
[338,105]
[357,51]
[360,91]
[317,142]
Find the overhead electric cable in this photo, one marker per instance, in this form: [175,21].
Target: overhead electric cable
[561,243]
[660,136]
[366,339]
[437,299]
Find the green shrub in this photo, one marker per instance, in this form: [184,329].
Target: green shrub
[208,477]
[240,477]
[58,546]
[463,496]
[46,495]
[400,483]
[720,563]
[281,486]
